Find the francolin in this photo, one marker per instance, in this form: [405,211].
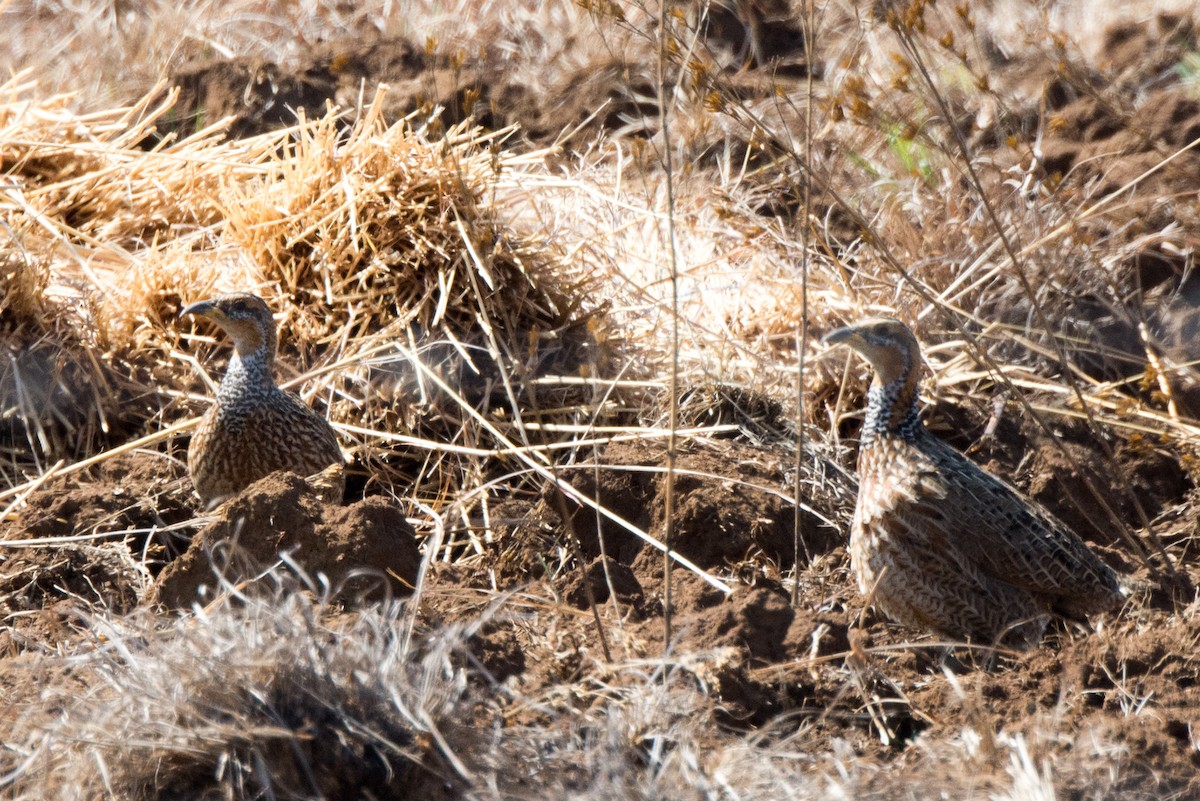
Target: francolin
[255,428]
[942,545]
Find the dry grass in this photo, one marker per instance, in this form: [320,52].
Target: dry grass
[274,695]
[379,255]
[282,694]
[476,317]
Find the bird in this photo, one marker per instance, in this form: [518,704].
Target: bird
[254,428]
[939,544]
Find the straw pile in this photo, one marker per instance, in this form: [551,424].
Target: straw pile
[374,243]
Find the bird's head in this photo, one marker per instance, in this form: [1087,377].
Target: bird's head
[245,317]
[885,342]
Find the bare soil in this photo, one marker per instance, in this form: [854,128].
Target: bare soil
[262,95]
[823,662]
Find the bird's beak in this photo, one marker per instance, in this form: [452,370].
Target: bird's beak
[203,308]
[841,336]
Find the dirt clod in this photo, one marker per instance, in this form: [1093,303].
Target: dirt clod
[365,550]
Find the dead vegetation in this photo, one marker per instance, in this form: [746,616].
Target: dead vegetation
[485,273]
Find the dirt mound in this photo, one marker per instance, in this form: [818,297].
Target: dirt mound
[262,95]
[366,550]
[48,593]
[1114,671]
[605,579]
[732,512]
[611,95]
[759,34]
[139,491]
[108,530]
[1118,146]
[732,504]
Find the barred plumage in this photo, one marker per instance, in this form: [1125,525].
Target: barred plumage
[254,428]
[944,545]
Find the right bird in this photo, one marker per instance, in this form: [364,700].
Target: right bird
[942,545]
[255,428]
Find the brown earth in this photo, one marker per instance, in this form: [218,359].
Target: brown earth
[598,97]
[261,95]
[826,659]
[822,661]
[365,551]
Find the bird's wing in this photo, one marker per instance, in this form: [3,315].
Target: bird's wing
[317,429]
[1011,538]
[944,589]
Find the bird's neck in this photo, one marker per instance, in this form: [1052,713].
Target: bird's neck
[892,410]
[253,371]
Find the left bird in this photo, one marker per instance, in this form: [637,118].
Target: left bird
[255,428]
